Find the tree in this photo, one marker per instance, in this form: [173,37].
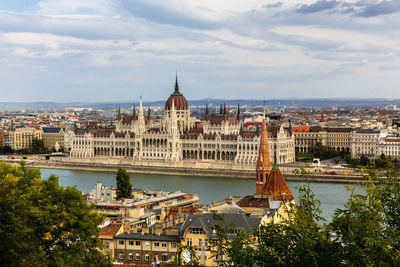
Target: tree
[323,152]
[124,186]
[369,225]
[44,224]
[364,160]
[300,239]
[38,146]
[366,232]
[347,159]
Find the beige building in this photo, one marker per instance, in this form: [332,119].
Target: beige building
[53,138]
[147,248]
[307,137]
[197,231]
[2,138]
[22,138]
[107,234]
[339,138]
[389,146]
[365,142]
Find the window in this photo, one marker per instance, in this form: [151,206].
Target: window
[164,257]
[107,245]
[138,243]
[121,242]
[189,242]
[200,242]
[130,243]
[121,255]
[137,257]
[156,244]
[130,257]
[146,257]
[205,243]
[173,245]
[147,244]
[164,245]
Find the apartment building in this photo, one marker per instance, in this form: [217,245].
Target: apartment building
[22,138]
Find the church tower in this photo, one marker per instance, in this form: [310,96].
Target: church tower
[263,166]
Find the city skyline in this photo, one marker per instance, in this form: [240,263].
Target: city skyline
[99,51]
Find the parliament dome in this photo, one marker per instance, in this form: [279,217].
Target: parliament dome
[177,98]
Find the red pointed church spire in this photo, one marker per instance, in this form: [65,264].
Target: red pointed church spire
[264,165]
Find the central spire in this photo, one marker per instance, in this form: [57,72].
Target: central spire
[176,83]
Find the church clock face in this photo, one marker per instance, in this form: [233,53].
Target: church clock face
[186,256]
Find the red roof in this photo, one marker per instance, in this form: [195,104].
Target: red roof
[301,129]
[277,187]
[391,140]
[110,230]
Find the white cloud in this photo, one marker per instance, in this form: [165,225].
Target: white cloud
[225,47]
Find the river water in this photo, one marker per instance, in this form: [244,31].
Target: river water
[209,189]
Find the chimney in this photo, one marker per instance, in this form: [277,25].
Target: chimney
[158,230]
[127,227]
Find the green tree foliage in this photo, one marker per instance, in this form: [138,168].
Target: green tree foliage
[385,162]
[323,152]
[38,146]
[368,227]
[347,159]
[364,160]
[124,186]
[43,224]
[366,232]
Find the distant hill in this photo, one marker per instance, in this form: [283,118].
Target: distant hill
[321,102]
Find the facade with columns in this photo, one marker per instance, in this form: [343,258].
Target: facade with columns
[178,137]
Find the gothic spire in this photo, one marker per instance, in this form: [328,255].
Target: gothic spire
[176,83]
[239,117]
[263,166]
[149,113]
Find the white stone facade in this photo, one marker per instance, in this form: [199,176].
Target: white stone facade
[365,142]
[176,139]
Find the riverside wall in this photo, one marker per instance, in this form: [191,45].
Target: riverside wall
[187,171]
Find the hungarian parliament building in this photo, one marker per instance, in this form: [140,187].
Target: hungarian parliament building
[178,139]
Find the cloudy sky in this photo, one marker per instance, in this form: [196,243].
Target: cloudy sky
[113,50]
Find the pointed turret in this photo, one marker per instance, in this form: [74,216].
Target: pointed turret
[276,187]
[264,110]
[134,110]
[264,165]
[207,116]
[119,112]
[238,117]
[142,127]
[149,113]
[220,109]
[224,109]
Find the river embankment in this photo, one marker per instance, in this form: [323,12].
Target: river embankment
[187,171]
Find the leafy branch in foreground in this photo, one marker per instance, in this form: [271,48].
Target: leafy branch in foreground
[366,232]
[43,224]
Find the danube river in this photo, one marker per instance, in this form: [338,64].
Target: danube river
[332,196]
